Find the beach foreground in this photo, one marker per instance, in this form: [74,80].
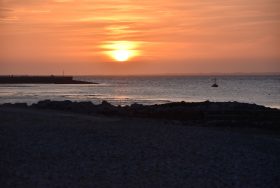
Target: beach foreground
[46,146]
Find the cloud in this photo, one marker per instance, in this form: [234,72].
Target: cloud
[3,10]
[5,15]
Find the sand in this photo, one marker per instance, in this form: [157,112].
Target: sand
[45,148]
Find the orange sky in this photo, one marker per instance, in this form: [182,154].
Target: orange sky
[165,36]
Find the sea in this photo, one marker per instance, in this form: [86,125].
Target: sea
[125,90]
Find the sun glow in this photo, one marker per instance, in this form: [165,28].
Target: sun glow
[121,55]
[121,51]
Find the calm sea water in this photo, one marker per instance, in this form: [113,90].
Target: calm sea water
[122,90]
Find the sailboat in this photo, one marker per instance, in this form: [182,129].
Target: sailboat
[215,83]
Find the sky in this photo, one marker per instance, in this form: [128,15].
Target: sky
[131,37]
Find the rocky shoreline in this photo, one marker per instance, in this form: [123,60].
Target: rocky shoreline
[226,114]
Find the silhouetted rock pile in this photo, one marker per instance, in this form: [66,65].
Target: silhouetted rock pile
[215,113]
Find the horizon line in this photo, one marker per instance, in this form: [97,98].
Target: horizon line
[160,74]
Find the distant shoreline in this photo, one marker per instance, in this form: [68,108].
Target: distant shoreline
[191,74]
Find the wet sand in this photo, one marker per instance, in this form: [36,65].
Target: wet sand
[47,148]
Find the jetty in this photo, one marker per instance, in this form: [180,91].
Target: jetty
[41,80]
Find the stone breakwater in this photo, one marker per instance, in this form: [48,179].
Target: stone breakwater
[226,114]
[41,80]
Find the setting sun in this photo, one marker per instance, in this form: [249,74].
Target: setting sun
[121,50]
[121,55]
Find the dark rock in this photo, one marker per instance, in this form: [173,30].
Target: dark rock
[228,113]
[106,104]
[16,105]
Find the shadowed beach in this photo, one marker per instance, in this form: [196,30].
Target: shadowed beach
[57,144]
